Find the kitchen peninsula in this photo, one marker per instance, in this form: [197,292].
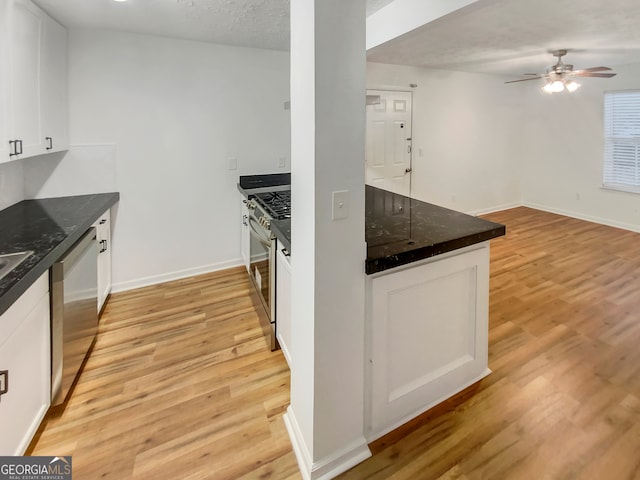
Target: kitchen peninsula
[426,294]
[427,290]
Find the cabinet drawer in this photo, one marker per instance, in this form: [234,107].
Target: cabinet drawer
[21,308]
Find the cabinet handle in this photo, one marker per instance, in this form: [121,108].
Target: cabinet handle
[4,382]
[50,142]
[15,151]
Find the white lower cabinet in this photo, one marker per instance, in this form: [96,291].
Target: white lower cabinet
[103,236]
[283,301]
[25,363]
[427,332]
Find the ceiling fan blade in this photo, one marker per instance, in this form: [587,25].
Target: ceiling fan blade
[523,79]
[589,74]
[592,69]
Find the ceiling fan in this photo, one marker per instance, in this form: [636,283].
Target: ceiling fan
[560,76]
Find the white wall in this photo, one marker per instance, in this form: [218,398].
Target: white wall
[11,183]
[176,111]
[563,148]
[92,167]
[467,131]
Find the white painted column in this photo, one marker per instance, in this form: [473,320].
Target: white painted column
[325,418]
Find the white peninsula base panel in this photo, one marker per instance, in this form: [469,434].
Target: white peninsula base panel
[427,335]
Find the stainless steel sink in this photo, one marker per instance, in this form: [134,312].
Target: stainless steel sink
[9,261]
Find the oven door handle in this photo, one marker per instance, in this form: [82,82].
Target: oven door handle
[264,241]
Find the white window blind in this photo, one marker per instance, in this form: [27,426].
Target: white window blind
[622,140]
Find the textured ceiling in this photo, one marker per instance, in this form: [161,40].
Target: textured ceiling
[512,37]
[507,37]
[247,23]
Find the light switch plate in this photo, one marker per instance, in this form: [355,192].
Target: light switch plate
[340,202]
[233,164]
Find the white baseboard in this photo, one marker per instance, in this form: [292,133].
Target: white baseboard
[496,208]
[567,213]
[581,216]
[177,275]
[329,467]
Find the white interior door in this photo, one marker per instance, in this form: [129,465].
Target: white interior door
[388,141]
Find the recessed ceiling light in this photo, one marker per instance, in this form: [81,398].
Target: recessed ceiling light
[119,0]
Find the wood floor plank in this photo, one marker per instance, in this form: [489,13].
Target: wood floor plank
[181,383]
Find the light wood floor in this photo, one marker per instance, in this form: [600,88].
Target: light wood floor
[181,383]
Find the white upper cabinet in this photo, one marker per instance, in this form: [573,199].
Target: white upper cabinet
[35,83]
[53,92]
[4,110]
[25,123]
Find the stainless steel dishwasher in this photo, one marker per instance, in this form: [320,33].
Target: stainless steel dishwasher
[74,316]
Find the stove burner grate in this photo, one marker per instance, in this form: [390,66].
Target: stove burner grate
[276,204]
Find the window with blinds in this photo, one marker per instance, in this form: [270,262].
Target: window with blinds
[622,140]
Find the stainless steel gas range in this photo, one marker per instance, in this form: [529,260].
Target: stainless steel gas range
[263,208]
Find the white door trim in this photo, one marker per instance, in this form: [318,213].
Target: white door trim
[392,88]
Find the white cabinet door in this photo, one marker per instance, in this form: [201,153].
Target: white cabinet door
[54,96]
[103,236]
[25,356]
[33,82]
[283,302]
[25,38]
[245,240]
[4,86]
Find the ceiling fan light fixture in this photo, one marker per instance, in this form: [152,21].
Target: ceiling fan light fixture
[572,86]
[554,87]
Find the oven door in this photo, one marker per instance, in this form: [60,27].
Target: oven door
[261,264]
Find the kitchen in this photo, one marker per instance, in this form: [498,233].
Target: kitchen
[124,75]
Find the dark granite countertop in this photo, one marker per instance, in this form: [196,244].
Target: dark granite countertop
[48,227]
[398,229]
[401,230]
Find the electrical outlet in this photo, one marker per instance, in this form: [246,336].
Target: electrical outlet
[281,162]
